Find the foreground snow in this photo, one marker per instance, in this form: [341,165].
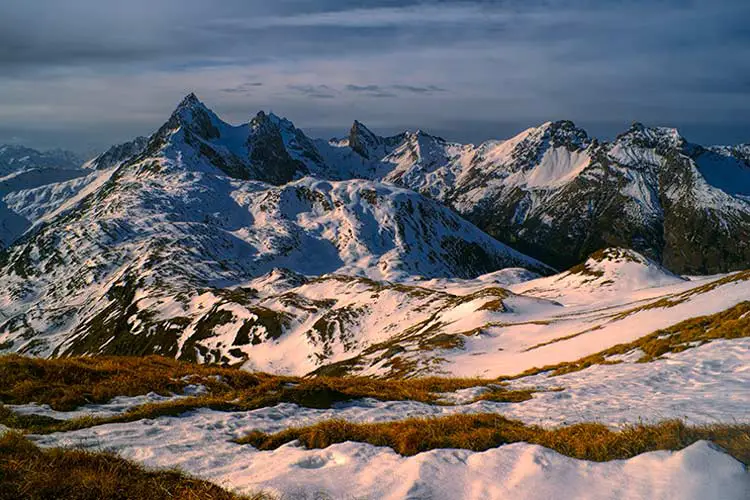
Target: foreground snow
[355,470]
[707,384]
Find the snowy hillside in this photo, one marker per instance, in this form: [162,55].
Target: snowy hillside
[126,259]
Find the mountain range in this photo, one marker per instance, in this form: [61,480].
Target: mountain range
[551,192]
[256,244]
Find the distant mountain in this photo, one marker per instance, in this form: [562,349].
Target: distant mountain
[118,154]
[31,184]
[739,151]
[552,192]
[14,158]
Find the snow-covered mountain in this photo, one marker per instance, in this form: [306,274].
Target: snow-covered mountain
[739,151]
[558,195]
[123,262]
[551,191]
[33,183]
[15,158]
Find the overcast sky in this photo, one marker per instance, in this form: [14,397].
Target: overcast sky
[84,74]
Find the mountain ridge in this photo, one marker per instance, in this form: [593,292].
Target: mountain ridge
[649,189]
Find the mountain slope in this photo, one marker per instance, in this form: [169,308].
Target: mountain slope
[149,237]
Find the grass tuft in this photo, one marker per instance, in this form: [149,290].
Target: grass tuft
[67,383]
[480,432]
[28,472]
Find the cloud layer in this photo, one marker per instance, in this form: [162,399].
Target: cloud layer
[84,74]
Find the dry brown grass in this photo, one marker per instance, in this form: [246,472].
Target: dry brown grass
[500,394]
[67,383]
[27,472]
[481,432]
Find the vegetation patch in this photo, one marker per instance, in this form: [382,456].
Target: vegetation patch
[480,432]
[28,472]
[500,394]
[561,339]
[67,383]
[730,324]
[443,341]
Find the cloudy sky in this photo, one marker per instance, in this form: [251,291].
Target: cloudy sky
[83,74]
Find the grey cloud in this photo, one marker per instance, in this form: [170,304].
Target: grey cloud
[370,90]
[243,88]
[363,88]
[316,91]
[106,64]
[414,89]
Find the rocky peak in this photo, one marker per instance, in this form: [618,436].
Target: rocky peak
[659,138]
[271,142]
[362,140]
[263,124]
[268,123]
[193,115]
[565,133]
[532,144]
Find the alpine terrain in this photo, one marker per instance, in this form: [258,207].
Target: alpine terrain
[382,317]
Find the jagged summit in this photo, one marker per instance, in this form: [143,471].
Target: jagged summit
[640,135]
[189,107]
[190,100]
[195,116]
[558,133]
[362,140]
